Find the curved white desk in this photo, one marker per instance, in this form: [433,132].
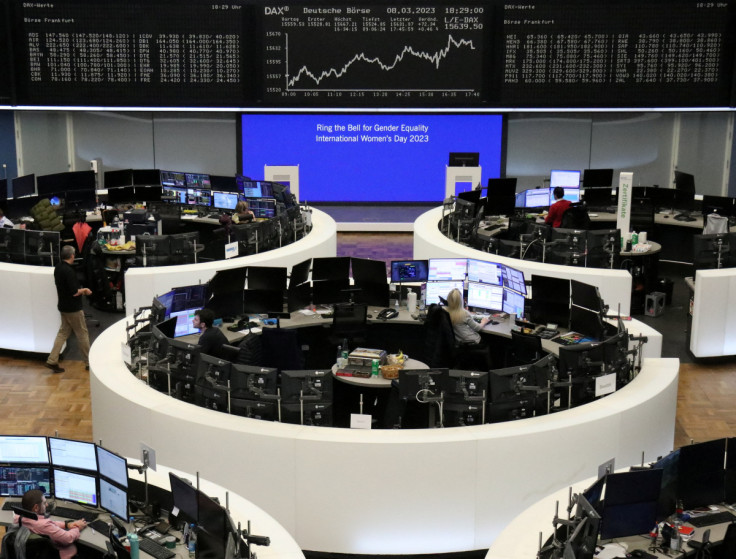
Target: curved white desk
[713,331]
[392,491]
[143,284]
[429,242]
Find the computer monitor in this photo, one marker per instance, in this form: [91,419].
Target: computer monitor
[263,301]
[121,195]
[586,296]
[153,250]
[582,542]
[298,297]
[701,474]
[630,504]
[436,290]
[23,449]
[420,383]
[408,271]
[537,198]
[75,487]
[112,466]
[46,185]
[262,207]
[464,159]
[368,271]
[197,180]
[78,455]
[472,196]
[309,385]
[714,251]
[188,297]
[17,479]
[80,199]
[372,294]
[224,200]
[184,495]
[598,178]
[173,178]
[269,278]
[329,292]
[604,247]
[520,407]
[668,495]
[511,382]
[685,182]
[563,178]
[223,183]
[550,300]
[212,527]
[255,409]
[594,493]
[248,188]
[336,268]
[502,187]
[148,193]
[113,499]
[252,382]
[23,186]
[300,273]
[447,269]
[466,385]
[514,279]
[722,205]
[594,197]
[485,272]
[500,205]
[571,194]
[587,322]
[485,297]
[316,414]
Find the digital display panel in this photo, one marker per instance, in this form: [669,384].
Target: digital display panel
[112,466]
[485,272]
[28,450]
[537,198]
[73,454]
[513,302]
[514,279]
[485,296]
[224,200]
[113,499]
[564,178]
[445,269]
[437,289]
[407,152]
[78,488]
[16,480]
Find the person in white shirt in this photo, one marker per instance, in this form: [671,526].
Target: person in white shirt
[4,221]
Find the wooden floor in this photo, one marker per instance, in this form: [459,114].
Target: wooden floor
[35,401]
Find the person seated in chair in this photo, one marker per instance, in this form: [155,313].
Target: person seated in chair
[4,221]
[466,328]
[242,213]
[212,339]
[554,217]
[62,534]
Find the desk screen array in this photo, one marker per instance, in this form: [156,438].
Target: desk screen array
[76,471]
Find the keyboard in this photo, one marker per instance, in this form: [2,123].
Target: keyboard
[711,519]
[8,505]
[100,526]
[74,514]
[155,550]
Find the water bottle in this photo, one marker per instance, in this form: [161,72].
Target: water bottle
[374,368]
[338,358]
[134,546]
[192,545]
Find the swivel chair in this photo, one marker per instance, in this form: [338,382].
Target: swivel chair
[576,217]
[349,322]
[35,546]
[525,349]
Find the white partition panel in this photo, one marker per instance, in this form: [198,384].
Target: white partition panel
[713,331]
[429,242]
[384,491]
[142,284]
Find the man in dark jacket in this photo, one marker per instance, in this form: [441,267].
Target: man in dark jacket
[70,294]
[212,339]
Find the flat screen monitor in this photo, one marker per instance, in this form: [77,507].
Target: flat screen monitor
[4,190]
[122,195]
[513,302]
[336,171]
[299,297]
[714,251]
[514,279]
[231,280]
[597,177]
[485,272]
[300,273]
[75,487]
[336,268]
[50,184]
[597,196]
[112,466]
[428,381]
[329,292]
[586,322]
[500,205]
[722,205]
[23,186]
[701,474]
[184,495]
[252,382]
[501,187]
[113,499]
[248,188]
[80,199]
[447,269]
[173,178]
[371,293]
[565,179]
[440,289]
[16,480]
[630,504]
[223,183]
[365,270]
[121,177]
[572,194]
[550,300]
[536,198]
[317,414]
[212,527]
[586,296]
[668,495]
[311,385]
[197,180]
[184,323]
[189,297]
[78,455]
[408,271]
[685,182]
[24,450]
[594,493]
[267,278]
[148,193]
[224,200]
[174,195]
[484,296]
[464,159]
[263,301]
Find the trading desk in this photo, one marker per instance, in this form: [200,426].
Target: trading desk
[384,491]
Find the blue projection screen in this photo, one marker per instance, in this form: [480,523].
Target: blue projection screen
[369,158]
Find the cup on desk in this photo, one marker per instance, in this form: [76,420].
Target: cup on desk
[643,237]
[411,302]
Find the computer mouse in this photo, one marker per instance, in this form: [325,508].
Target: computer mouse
[252,324]
[369,316]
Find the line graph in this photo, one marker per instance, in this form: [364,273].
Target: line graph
[435,58]
[422,55]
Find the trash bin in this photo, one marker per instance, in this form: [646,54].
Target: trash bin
[665,285]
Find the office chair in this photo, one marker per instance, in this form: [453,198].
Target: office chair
[714,224]
[524,349]
[576,217]
[439,338]
[727,549]
[34,546]
[642,215]
[349,321]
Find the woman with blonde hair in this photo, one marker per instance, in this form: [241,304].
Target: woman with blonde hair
[242,213]
[466,329]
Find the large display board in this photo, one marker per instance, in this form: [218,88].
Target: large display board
[482,54]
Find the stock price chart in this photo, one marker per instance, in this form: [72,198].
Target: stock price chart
[373,55]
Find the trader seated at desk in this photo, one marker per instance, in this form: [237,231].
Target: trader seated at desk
[212,339]
[465,327]
[62,534]
[554,217]
[4,221]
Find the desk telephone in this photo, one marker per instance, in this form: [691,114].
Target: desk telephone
[387,313]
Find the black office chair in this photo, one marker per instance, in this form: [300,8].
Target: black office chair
[34,546]
[576,217]
[439,338]
[349,322]
[525,349]
[642,215]
[727,549]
